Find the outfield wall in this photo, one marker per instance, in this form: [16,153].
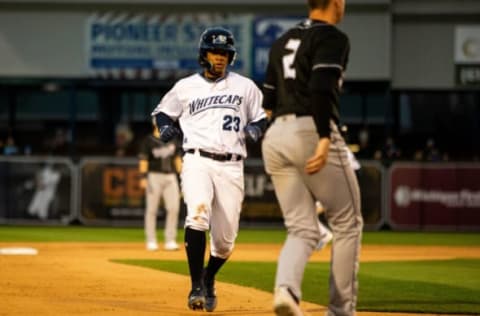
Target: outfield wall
[38,190]
[104,191]
[442,196]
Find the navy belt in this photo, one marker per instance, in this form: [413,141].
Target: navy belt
[214,156]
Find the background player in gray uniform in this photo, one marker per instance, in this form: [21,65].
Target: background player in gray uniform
[159,163]
[307,157]
[217,110]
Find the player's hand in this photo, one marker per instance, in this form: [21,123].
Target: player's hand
[319,158]
[253,132]
[168,132]
[143,183]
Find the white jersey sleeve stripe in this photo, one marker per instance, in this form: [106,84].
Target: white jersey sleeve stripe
[317,66]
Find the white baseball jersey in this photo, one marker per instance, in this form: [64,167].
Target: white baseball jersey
[47,182]
[212,115]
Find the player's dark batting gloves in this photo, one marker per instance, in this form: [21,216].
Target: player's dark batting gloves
[168,132]
[253,132]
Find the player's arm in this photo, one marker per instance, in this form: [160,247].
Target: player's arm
[143,170]
[166,112]
[255,130]
[269,115]
[257,124]
[323,101]
[166,127]
[269,89]
[143,163]
[261,124]
[324,95]
[177,161]
[269,99]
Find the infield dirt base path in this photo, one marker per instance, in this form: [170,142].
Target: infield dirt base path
[79,279]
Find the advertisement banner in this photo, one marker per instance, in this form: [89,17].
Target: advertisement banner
[467,74]
[165,44]
[36,190]
[371,177]
[467,44]
[265,31]
[434,196]
[110,191]
[260,203]
[467,55]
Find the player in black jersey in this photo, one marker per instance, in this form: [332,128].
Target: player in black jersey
[306,156]
[159,163]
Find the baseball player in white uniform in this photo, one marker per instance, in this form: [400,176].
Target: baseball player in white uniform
[46,186]
[217,110]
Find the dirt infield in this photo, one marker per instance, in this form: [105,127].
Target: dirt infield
[78,279]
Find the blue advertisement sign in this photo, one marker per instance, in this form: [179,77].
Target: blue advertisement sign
[160,42]
[265,31]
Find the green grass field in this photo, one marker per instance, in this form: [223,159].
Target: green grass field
[247,235]
[440,286]
[447,286]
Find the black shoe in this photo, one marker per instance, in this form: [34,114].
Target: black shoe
[196,299]
[210,294]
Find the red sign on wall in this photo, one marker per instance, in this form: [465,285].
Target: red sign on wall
[435,196]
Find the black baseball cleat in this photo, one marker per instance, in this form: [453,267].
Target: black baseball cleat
[196,299]
[210,295]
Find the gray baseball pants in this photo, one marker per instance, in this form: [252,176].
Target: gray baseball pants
[287,145]
[162,185]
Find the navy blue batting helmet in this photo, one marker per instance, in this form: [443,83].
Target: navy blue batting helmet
[216,38]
